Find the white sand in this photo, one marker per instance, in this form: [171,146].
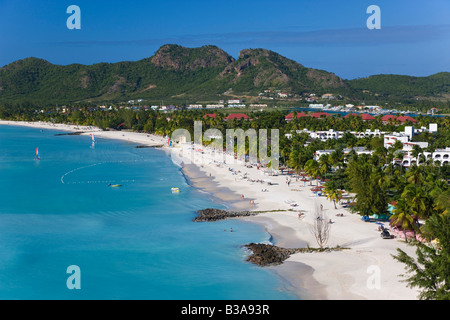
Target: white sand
[347,274]
[365,271]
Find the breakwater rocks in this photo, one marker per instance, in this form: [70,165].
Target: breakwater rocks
[267,254]
[212,214]
[70,134]
[154,146]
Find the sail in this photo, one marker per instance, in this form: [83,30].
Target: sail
[36,153]
[93,138]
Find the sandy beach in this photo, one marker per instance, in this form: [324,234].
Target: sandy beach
[366,270]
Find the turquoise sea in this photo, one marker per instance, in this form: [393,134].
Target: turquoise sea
[134,242]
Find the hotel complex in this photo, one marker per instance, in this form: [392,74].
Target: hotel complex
[404,158]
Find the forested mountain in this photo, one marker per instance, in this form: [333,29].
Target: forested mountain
[406,87]
[176,73]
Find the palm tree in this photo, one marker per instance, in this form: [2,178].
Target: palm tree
[401,217]
[414,175]
[294,161]
[324,164]
[312,168]
[332,192]
[442,202]
[336,158]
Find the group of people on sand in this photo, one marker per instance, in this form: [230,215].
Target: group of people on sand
[252,202]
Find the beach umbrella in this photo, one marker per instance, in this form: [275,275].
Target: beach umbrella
[304,181]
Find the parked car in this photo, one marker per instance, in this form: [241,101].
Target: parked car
[385,234]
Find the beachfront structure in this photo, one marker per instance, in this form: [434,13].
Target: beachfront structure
[358,150]
[237,105]
[290,116]
[237,116]
[441,156]
[326,135]
[368,133]
[215,106]
[389,117]
[407,135]
[195,106]
[320,115]
[364,116]
[332,134]
[390,139]
[258,105]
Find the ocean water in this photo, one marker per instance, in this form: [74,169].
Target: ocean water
[133,242]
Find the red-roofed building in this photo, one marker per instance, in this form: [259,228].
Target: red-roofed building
[403,119]
[320,114]
[388,117]
[237,116]
[364,116]
[290,116]
[210,115]
[351,115]
[367,117]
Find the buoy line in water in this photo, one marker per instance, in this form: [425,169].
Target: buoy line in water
[96,164]
[101,181]
[74,170]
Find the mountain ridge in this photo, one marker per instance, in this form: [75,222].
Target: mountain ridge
[195,74]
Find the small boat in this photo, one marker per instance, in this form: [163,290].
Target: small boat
[114,185]
[175,190]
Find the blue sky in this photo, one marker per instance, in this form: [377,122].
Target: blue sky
[414,38]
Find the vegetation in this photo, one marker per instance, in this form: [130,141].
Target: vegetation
[430,272]
[179,75]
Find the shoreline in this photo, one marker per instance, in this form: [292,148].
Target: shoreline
[315,276]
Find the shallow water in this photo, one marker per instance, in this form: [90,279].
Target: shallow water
[133,242]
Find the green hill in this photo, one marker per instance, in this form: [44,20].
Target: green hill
[176,73]
[388,86]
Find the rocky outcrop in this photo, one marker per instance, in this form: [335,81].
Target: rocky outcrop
[212,214]
[180,58]
[267,254]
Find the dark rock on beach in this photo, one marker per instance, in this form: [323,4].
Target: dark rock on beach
[70,134]
[267,254]
[212,214]
[154,146]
